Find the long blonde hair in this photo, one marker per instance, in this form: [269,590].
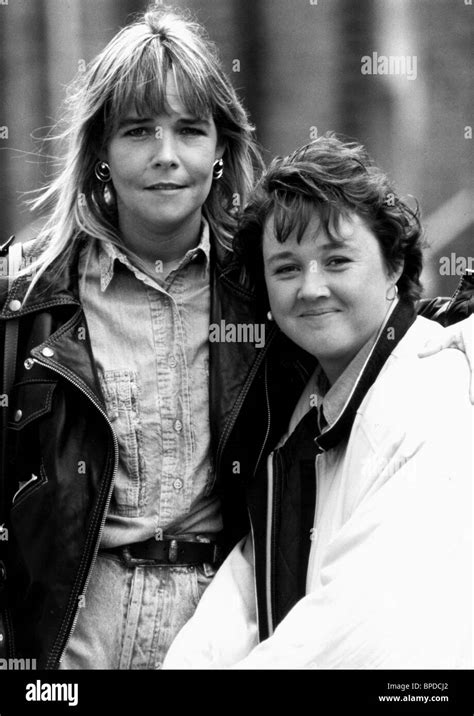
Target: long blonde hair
[132,69]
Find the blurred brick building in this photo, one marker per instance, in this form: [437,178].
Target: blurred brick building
[299,73]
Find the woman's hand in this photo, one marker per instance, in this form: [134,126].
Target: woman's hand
[461,336]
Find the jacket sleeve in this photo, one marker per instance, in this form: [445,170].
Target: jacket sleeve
[223,629]
[451,310]
[6,644]
[394,589]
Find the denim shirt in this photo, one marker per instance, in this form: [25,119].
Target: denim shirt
[150,344]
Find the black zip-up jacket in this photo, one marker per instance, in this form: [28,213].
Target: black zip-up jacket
[56,415]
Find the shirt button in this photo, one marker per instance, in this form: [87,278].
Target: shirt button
[172,362]
[47,352]
[28,363]
[14,305]
[178,426]
[178,484]
[18,416]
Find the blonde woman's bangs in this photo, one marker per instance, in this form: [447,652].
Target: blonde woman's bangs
[142,87]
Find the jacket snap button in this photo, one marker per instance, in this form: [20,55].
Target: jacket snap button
[177,484]
[28,363]
[47,352]
[14,305]
[18,416]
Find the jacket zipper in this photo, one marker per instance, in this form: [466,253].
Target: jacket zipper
[267,402]
[309,572]
[254,564]
[33,479]
[29,486]
[239,402]
[268,562]
[65,632]
[9,632]
[303,375]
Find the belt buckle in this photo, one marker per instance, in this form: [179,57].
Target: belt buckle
[172,557]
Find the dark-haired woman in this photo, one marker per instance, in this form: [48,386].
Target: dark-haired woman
[360,552]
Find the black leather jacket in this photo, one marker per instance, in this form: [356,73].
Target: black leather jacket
[56,415]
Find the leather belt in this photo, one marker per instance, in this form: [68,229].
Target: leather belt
[168,551]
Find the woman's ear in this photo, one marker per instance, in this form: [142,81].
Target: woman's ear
[220,148]
[396,273]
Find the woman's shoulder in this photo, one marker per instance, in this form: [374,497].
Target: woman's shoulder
[419,391]
[440,364]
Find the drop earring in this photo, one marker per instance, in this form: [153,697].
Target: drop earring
[102,172]
[395,293]
[270,316]
[218,169]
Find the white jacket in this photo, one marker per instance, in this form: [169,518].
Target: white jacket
[390,576]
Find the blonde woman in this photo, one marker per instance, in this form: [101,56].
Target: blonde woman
[115,525]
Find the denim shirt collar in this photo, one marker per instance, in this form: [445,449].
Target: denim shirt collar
[109,253]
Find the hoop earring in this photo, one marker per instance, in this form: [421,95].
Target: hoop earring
[102,172]
[395,293]
[270,316]
[218,169]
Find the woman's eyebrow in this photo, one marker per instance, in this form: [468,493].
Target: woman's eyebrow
[343,243]
[184,119]
[133,119]
[328,245]
[193,120]
[280,256]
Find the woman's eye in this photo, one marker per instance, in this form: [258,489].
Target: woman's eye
[138,132]
[191,131]
[337,261]
[286,269]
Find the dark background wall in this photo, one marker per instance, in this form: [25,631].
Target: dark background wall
[300,74]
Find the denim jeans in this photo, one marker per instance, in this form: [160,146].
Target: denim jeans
[130,615]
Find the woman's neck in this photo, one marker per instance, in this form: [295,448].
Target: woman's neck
[153,246]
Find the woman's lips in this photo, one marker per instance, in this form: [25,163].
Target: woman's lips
[165,186]
[322,312]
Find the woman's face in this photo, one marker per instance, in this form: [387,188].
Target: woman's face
[161,168]
[328,298]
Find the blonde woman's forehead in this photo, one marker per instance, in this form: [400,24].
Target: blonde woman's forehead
[175,101]
[155,100]
[172,108]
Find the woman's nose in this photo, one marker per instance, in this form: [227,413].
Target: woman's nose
[314,284]
[164,148]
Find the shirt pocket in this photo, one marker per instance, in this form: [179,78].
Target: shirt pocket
[121,394]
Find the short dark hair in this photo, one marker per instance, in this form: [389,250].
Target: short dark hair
[335,178]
